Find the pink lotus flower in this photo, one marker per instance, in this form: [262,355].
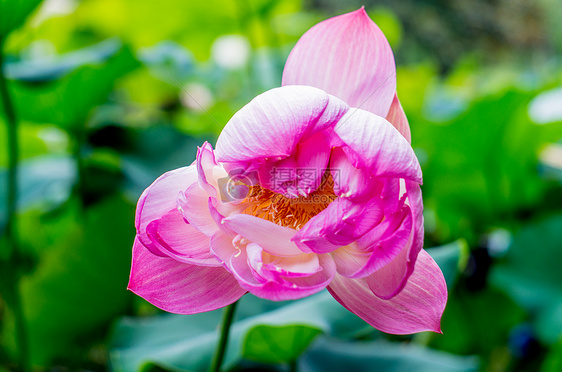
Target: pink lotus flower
[312,185]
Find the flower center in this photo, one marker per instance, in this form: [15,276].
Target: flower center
[289,212]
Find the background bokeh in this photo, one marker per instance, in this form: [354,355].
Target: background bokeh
[109,94]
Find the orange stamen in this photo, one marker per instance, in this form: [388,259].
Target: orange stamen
[289,212]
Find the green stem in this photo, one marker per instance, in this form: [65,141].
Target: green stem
[227,317]
[11,224]
[21,327]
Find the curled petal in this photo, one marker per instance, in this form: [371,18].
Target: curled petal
[178,287]
[272,285]
[417,308]
[175,238]
[306,168]
[350,259]
[376,249]
[270,277]
[350,182]
[160,197]
[208,170]
[390,279]
[273,238]
[272,125]
[397,117]
[313,154]
[194,206]
[375,145]
[271,268]
[293,267]
[341,223]
[358,185]
[301,174]
[223,248]
[349,57]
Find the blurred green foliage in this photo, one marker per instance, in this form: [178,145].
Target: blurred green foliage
[112,93]
[14,13]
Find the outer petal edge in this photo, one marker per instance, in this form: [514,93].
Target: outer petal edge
[179,287]
[417,308]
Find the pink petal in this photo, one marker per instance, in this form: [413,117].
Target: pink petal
[377,248]
[178,287]
[390,279]
[349,57]
[270,285]
[177,239]
[273,238]
[417,308]
[160,197]
[223,248]
[397,117]
[206,164]
[272,125]
[350,182]
[266,281]
[302,174]
[358,186]
[350,259]
[341,223]
[374,145]
[313,154]
[194,206]
[266,267]
[293,267]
